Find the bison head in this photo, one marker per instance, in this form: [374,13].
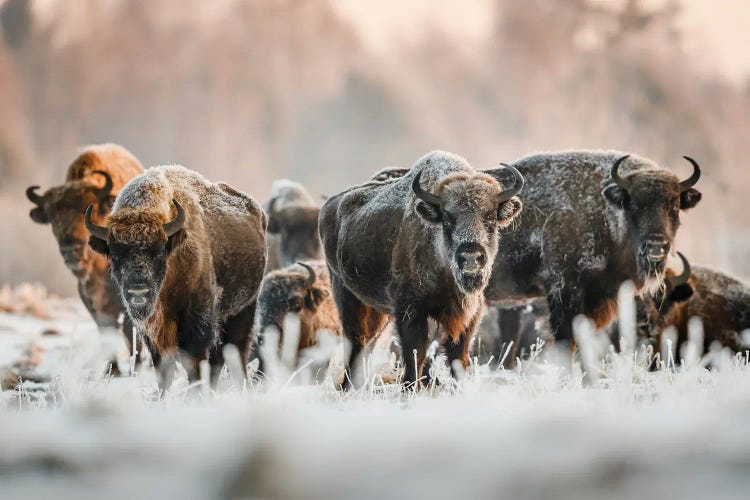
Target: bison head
[62,207]
[650,201]
[286,291]
[469,209]
[137,244]
[297,228]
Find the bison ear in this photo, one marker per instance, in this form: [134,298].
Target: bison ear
[429,213]
[315,297]
[176,240]
[616,196]
[681,293]
[508,211]
[98,245]
[38,216]
[690,198]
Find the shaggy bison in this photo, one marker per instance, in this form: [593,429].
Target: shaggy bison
[94,178]
[303,288]
[720,301]
[591,221]
[187,256]
[418,246]
[292,225]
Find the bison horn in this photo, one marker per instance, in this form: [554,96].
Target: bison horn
[518,181]
[690,181]
[423,195]
[102,193]
[311,275]
[682,278]
[272,208]
[615,172]
[33,197]
[100,232]
[175,224]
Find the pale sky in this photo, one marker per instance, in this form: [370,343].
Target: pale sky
[715,30]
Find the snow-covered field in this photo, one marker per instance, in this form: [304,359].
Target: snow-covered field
[542,430]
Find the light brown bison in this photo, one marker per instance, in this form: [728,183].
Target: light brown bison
[187,256]
[94,178]
[303,288]
[292,225]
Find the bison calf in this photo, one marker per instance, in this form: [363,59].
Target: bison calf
[187,256]
[304,289]
[417,246]
[720,301]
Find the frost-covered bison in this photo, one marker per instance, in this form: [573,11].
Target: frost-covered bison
[304,289]
[720,301]
[187,256]
[94,178]
[292,225]
[417,247]
[591,221]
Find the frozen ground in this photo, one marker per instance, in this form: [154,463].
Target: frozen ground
[536,432]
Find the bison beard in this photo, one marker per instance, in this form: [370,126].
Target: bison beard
[415,247]
[188,257]
[593,220]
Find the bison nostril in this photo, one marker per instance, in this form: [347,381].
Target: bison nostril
[471,260]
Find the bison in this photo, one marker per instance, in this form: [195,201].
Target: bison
[95,177]
[292,225]
[304,289]
[415,247]
[592,220]
[720,301]
[187,256]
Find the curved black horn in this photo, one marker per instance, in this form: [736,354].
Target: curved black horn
[100,232]
[272,208]
[690,181]
[682,278]
[616,174]
[175,224]
[423,195]
[311,278]
[103,192]
[518,181]
[33,197]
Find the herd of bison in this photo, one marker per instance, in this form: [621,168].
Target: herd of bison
[183,266]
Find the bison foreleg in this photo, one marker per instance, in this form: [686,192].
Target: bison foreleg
[564,305]
[412,328]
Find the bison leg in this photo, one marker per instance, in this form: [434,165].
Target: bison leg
[359,323]
[509,325]
[237,330]
[564,306]
[412,328]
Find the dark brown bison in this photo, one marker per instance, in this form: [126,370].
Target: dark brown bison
[416,247]
[304,289]
[292,225]
[592,220]
[94,178]
[720,301]
[187,256]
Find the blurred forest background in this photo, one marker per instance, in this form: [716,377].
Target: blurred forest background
[327,92]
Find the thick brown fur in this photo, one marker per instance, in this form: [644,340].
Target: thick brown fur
[214,264]
[63,206]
